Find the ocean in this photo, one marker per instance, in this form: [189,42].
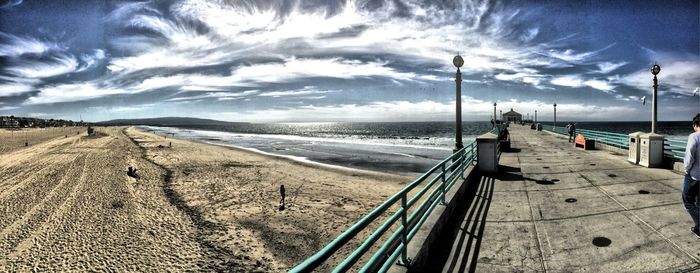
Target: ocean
[406,148]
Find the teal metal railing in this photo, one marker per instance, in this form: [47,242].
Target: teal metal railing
[445,174]
[673,149]
[498,128]
[559,130]
[613,139]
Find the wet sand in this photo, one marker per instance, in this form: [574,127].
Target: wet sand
[67,204]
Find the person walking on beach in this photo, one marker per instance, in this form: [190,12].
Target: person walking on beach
[282,193]
[572,130]
[691,188]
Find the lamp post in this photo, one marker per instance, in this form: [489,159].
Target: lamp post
[555,116]
[494,114]
[655,69]
[458,62]
[535,116]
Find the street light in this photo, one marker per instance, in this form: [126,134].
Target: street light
[655,69]
[494,114]
[555,116]
[458,62]
[535,116]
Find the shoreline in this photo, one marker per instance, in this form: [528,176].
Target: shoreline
[403,160]
[293,159]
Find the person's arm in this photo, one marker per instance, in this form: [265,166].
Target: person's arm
[690,150]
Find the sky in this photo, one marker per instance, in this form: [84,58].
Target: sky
[336,60]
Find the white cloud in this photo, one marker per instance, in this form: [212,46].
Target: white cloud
[530,34]
[11,89]
[121,109]
[677,76]
[58,65]
[571,56]
[15,46]
[431,36]
[293,69]
[90,61]
[577,81]
[71,92]
[8,108]
[607,67]
[426,110]
[600,85]
[307,90]
[10,3]
[220,96]
[567,80]
[528,78]
[262,47]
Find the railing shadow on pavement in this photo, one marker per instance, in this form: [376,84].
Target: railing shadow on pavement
[470,230]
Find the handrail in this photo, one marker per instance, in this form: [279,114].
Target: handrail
[673,149]
[612,139]
[444,174]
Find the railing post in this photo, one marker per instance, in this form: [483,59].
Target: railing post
[404,234]
[442,186]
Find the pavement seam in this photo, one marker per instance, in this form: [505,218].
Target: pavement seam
[591,186]
[679,248]
[697,261]
[586,215]
[540,247]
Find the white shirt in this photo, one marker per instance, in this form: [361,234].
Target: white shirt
[692,154]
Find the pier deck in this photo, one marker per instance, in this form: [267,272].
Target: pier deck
[557,208]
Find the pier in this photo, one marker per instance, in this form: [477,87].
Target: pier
[551,207]
[556,208]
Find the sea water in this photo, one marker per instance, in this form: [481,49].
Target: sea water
[407,148]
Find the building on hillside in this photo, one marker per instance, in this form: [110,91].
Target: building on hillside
[512,116]
[8,122]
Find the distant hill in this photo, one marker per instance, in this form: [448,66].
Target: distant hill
[169,121]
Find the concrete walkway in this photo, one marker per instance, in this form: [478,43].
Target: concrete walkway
[556,208]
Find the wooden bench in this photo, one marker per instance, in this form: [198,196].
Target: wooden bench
[586,144]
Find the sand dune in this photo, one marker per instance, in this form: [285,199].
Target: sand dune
[66,203]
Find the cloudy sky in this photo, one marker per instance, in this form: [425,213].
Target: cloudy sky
[336,60]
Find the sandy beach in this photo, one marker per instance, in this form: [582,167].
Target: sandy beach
[67,204]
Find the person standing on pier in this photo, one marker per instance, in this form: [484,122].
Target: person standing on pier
[691,186]
[571,127]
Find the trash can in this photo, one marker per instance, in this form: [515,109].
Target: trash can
[634,147]
[651,150]
[487,153]
[539,126]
